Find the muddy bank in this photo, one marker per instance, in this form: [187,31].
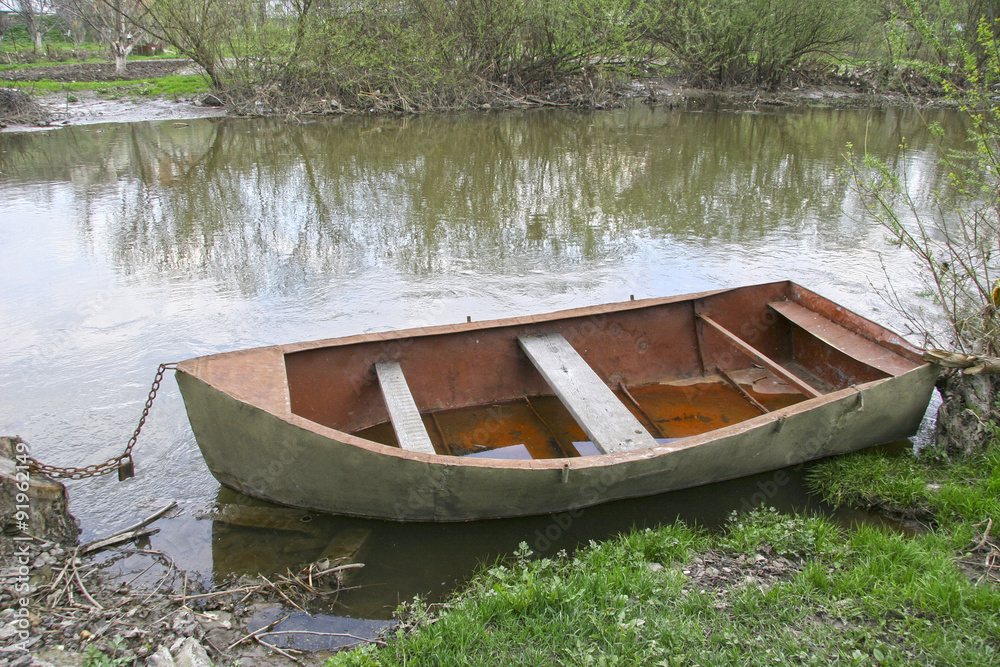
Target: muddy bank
[829,88]
[65,603]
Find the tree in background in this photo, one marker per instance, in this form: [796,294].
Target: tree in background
[199,29]
[119,23]
[34,14]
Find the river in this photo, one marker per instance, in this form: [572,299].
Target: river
[128,245]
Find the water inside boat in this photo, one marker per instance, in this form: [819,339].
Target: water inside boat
[540,427]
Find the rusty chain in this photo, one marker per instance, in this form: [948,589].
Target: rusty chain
[122,463]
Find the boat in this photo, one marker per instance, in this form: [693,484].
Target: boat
[557,412]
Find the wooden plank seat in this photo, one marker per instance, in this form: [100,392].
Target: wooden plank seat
[842,339]
[604,418]
[761,358]
[403,413]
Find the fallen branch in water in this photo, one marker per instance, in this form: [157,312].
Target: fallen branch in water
[377,642]
[133,532]
[116,539]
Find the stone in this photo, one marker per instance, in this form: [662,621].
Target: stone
[192,654]
[58,657]
[161,658]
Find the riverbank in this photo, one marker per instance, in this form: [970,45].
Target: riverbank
[128,604]
[135,99]
[771,589]
[767,588]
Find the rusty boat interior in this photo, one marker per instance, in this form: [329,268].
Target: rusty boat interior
[591,381]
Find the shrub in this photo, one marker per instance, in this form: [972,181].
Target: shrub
[756,42]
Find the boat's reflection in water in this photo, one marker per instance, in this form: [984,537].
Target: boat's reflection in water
[403,560]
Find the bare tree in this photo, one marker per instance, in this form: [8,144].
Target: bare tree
[119,23]
[197,28]
[32,13]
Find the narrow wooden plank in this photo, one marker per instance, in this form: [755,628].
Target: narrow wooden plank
[403,413]
[605,419]
[843,339]
[743,392]
[761,358]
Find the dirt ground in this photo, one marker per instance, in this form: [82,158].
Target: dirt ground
[138,69]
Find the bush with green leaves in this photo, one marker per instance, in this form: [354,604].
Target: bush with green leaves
[754,42]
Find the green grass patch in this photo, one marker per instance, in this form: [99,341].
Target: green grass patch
[956,495]
[872,597]
[174,86]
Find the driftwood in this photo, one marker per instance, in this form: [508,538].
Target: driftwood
[970,364]
[133,532]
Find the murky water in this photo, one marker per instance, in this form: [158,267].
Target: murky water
[133,244]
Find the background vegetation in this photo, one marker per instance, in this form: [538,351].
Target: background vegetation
[407,55]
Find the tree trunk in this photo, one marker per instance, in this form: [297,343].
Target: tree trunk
[38,40]
[120,59]
[967,408]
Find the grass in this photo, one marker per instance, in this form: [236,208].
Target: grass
[175,86]
[871,597]
[957,496]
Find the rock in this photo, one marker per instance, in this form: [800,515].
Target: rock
[57,657]
[192,654]
[8,631]
[47,515]
[212,101]
[216,619]
[21,661]
[161,658]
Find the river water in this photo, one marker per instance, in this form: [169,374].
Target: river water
[127,245]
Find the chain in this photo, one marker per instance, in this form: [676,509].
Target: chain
[122,463]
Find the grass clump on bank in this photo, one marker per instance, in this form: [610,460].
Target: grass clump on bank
[173,87]
[959,496]
[771,589]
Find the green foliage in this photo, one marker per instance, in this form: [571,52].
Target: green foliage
[955,249]
[796,536]
[871,598]
[176,86]
[756,42]
[934,31]
[956,493]
[406,55]
[94,657]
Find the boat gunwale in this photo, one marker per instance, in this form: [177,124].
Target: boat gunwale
[285,414]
